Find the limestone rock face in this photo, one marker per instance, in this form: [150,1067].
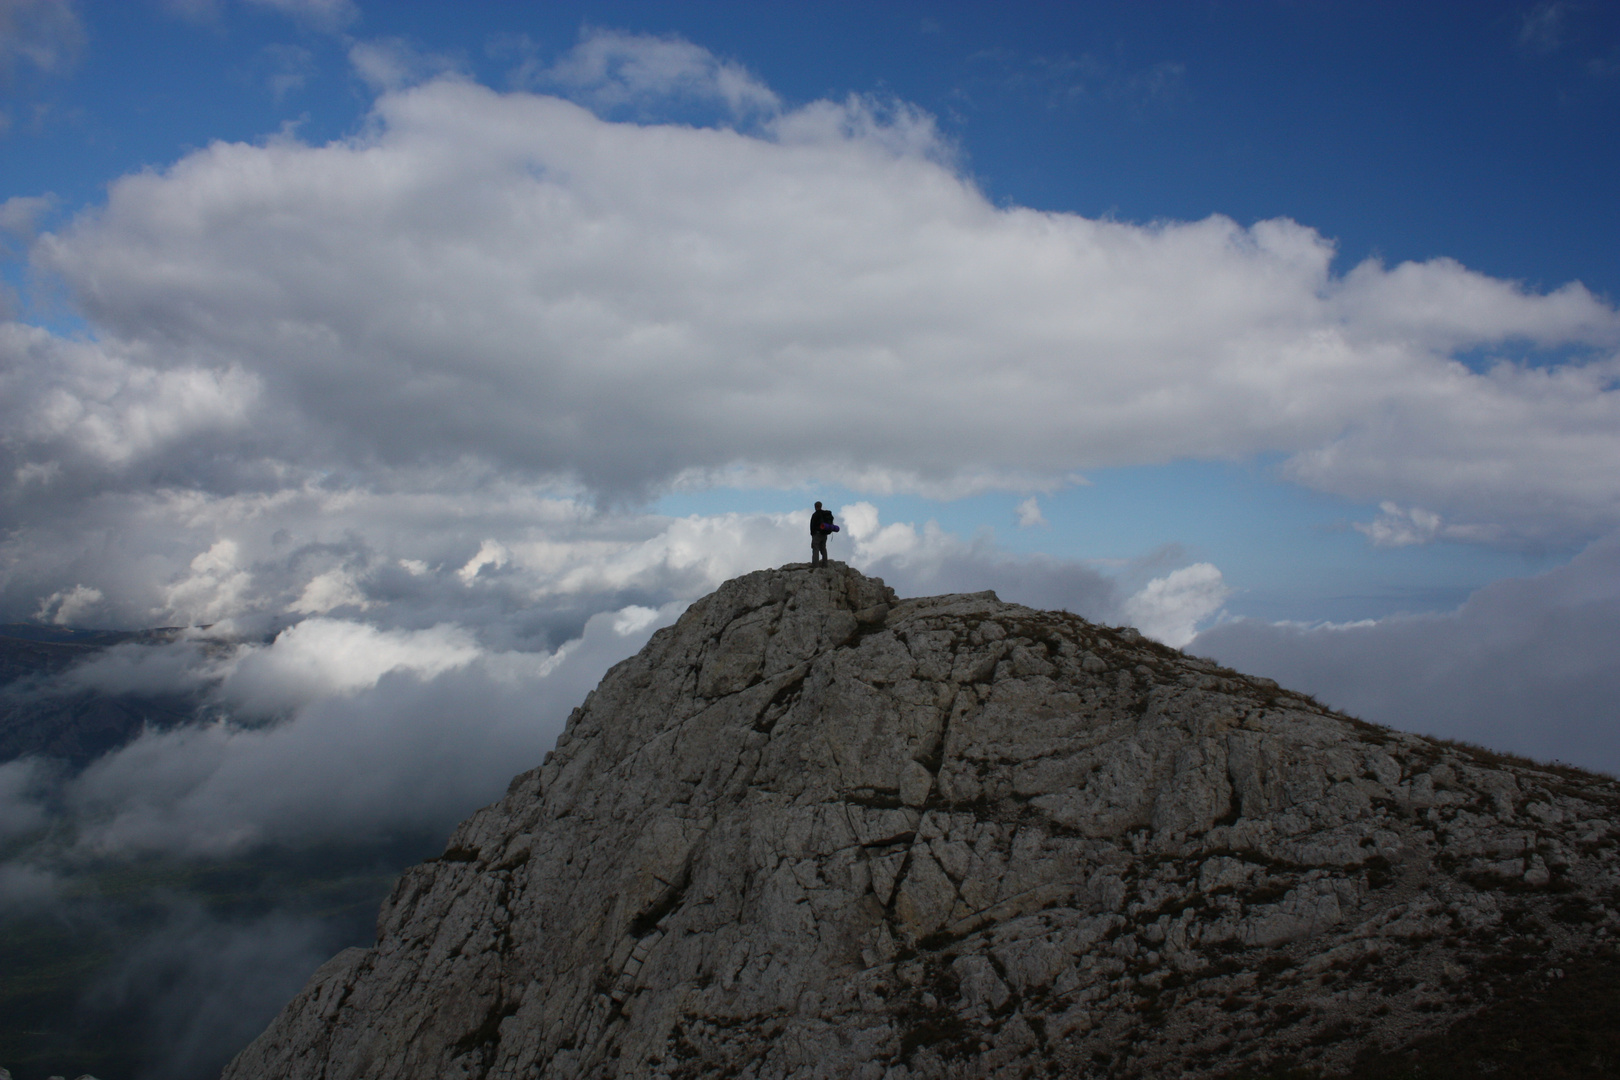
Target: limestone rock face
[814,830]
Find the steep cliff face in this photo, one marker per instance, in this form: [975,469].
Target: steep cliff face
[815,830]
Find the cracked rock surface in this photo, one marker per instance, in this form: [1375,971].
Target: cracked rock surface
[813,830]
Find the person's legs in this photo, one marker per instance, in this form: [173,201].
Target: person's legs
[818,550]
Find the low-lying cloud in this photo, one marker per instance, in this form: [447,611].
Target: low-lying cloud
[203,987]
[1528,665]
[336,731]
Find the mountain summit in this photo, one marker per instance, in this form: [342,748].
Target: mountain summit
[814,830]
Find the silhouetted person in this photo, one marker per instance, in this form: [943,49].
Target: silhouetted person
[821,525]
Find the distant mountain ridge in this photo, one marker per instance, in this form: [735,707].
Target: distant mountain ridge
[75,727]
[75,635]
[814,830]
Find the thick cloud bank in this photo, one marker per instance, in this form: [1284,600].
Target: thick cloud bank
[333,731]
[510,284]
[1530,666]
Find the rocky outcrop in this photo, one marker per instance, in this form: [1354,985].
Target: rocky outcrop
[813,830]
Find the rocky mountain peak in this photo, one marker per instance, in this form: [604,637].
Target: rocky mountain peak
[815,830]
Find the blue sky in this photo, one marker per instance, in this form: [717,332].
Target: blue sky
[501,315]
[1406,131]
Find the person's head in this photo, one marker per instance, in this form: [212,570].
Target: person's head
[818,506]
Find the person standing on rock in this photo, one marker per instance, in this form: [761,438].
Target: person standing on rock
[821,524]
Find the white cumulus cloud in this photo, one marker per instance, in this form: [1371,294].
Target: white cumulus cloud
[608,69]
[506,280]
[69,607]
[1169,608]
[1029,513]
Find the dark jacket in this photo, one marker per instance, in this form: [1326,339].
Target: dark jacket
[818,519]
